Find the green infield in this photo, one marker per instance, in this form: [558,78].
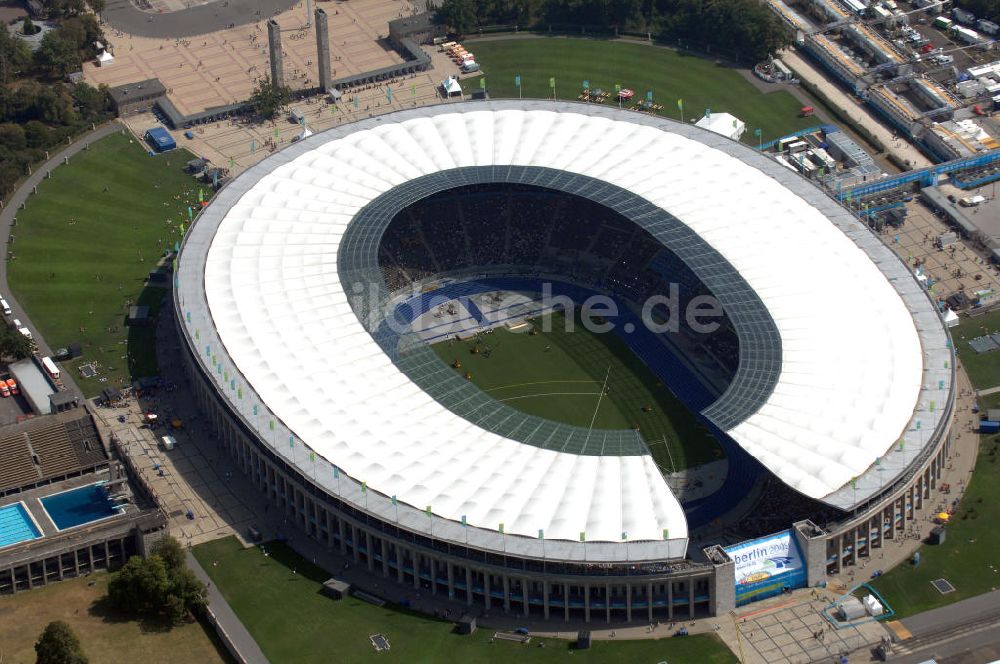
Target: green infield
[85,244]
[968,558]
[584,379]
[701,83]
[278,599]
[983,369]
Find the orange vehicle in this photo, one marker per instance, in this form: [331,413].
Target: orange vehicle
[4,390]
[12,386]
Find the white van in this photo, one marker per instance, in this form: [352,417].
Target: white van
[169,442]
[296,116]
[5,307]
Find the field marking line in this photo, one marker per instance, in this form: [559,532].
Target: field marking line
[604,389]
[537,382]
[551,394]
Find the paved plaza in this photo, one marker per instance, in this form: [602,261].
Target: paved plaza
[796,633]
[239,143]
[221,68]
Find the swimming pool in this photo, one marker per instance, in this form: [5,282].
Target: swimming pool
[16,525]
[76,507]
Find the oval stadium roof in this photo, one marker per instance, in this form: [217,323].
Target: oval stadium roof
[266,311]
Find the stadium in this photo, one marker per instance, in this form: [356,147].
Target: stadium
[368,316]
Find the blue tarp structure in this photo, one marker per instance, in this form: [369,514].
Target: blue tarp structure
[160,139]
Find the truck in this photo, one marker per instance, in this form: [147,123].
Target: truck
[296,116]
[943,23]
[972,201]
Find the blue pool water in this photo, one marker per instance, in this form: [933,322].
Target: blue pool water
[15,525]
[78,506]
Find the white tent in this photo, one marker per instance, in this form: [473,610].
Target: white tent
[305,133]
[724,124]
[104,58]
[451,87]
[950,318]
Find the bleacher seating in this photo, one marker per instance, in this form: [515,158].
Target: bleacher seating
[59,445]
[16,465]
[53,449]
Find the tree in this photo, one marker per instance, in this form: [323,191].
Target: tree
[268,98]
[459,15]
[15,56]
[97,5]
[28,27]
[57,55]
[171,552]
[161,584]
[15,345]
[59,645]
[141,586]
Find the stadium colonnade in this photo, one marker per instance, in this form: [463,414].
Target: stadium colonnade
[482,568]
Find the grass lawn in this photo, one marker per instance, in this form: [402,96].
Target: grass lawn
[82,252]
[559,375]
[983,370]
[278,599]
[968,558]
[700,82]
[105,636]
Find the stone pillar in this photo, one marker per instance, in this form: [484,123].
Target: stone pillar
[486,590]
[586,602]
[400,560]
[649,601]
[432,564]
[451,580]
[468,586]
[416,569]
[371,552]
[670,600]
[566,602]
[506,593]
[524,596]
[323,50]
[628,602]
[691,598]
[274,50]
[607,602]
[545,598]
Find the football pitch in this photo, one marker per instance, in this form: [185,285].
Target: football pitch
[583,379]
[671,76]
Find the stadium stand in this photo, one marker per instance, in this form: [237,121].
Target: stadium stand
[17,468]
[50,449]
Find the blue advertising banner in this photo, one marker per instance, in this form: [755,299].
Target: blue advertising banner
[767,566]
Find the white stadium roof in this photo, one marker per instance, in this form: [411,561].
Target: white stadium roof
[270,320]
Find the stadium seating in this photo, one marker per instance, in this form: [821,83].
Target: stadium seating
[17,468]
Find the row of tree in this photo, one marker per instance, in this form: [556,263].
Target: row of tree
[38,110]
[746,27]
[61,50]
